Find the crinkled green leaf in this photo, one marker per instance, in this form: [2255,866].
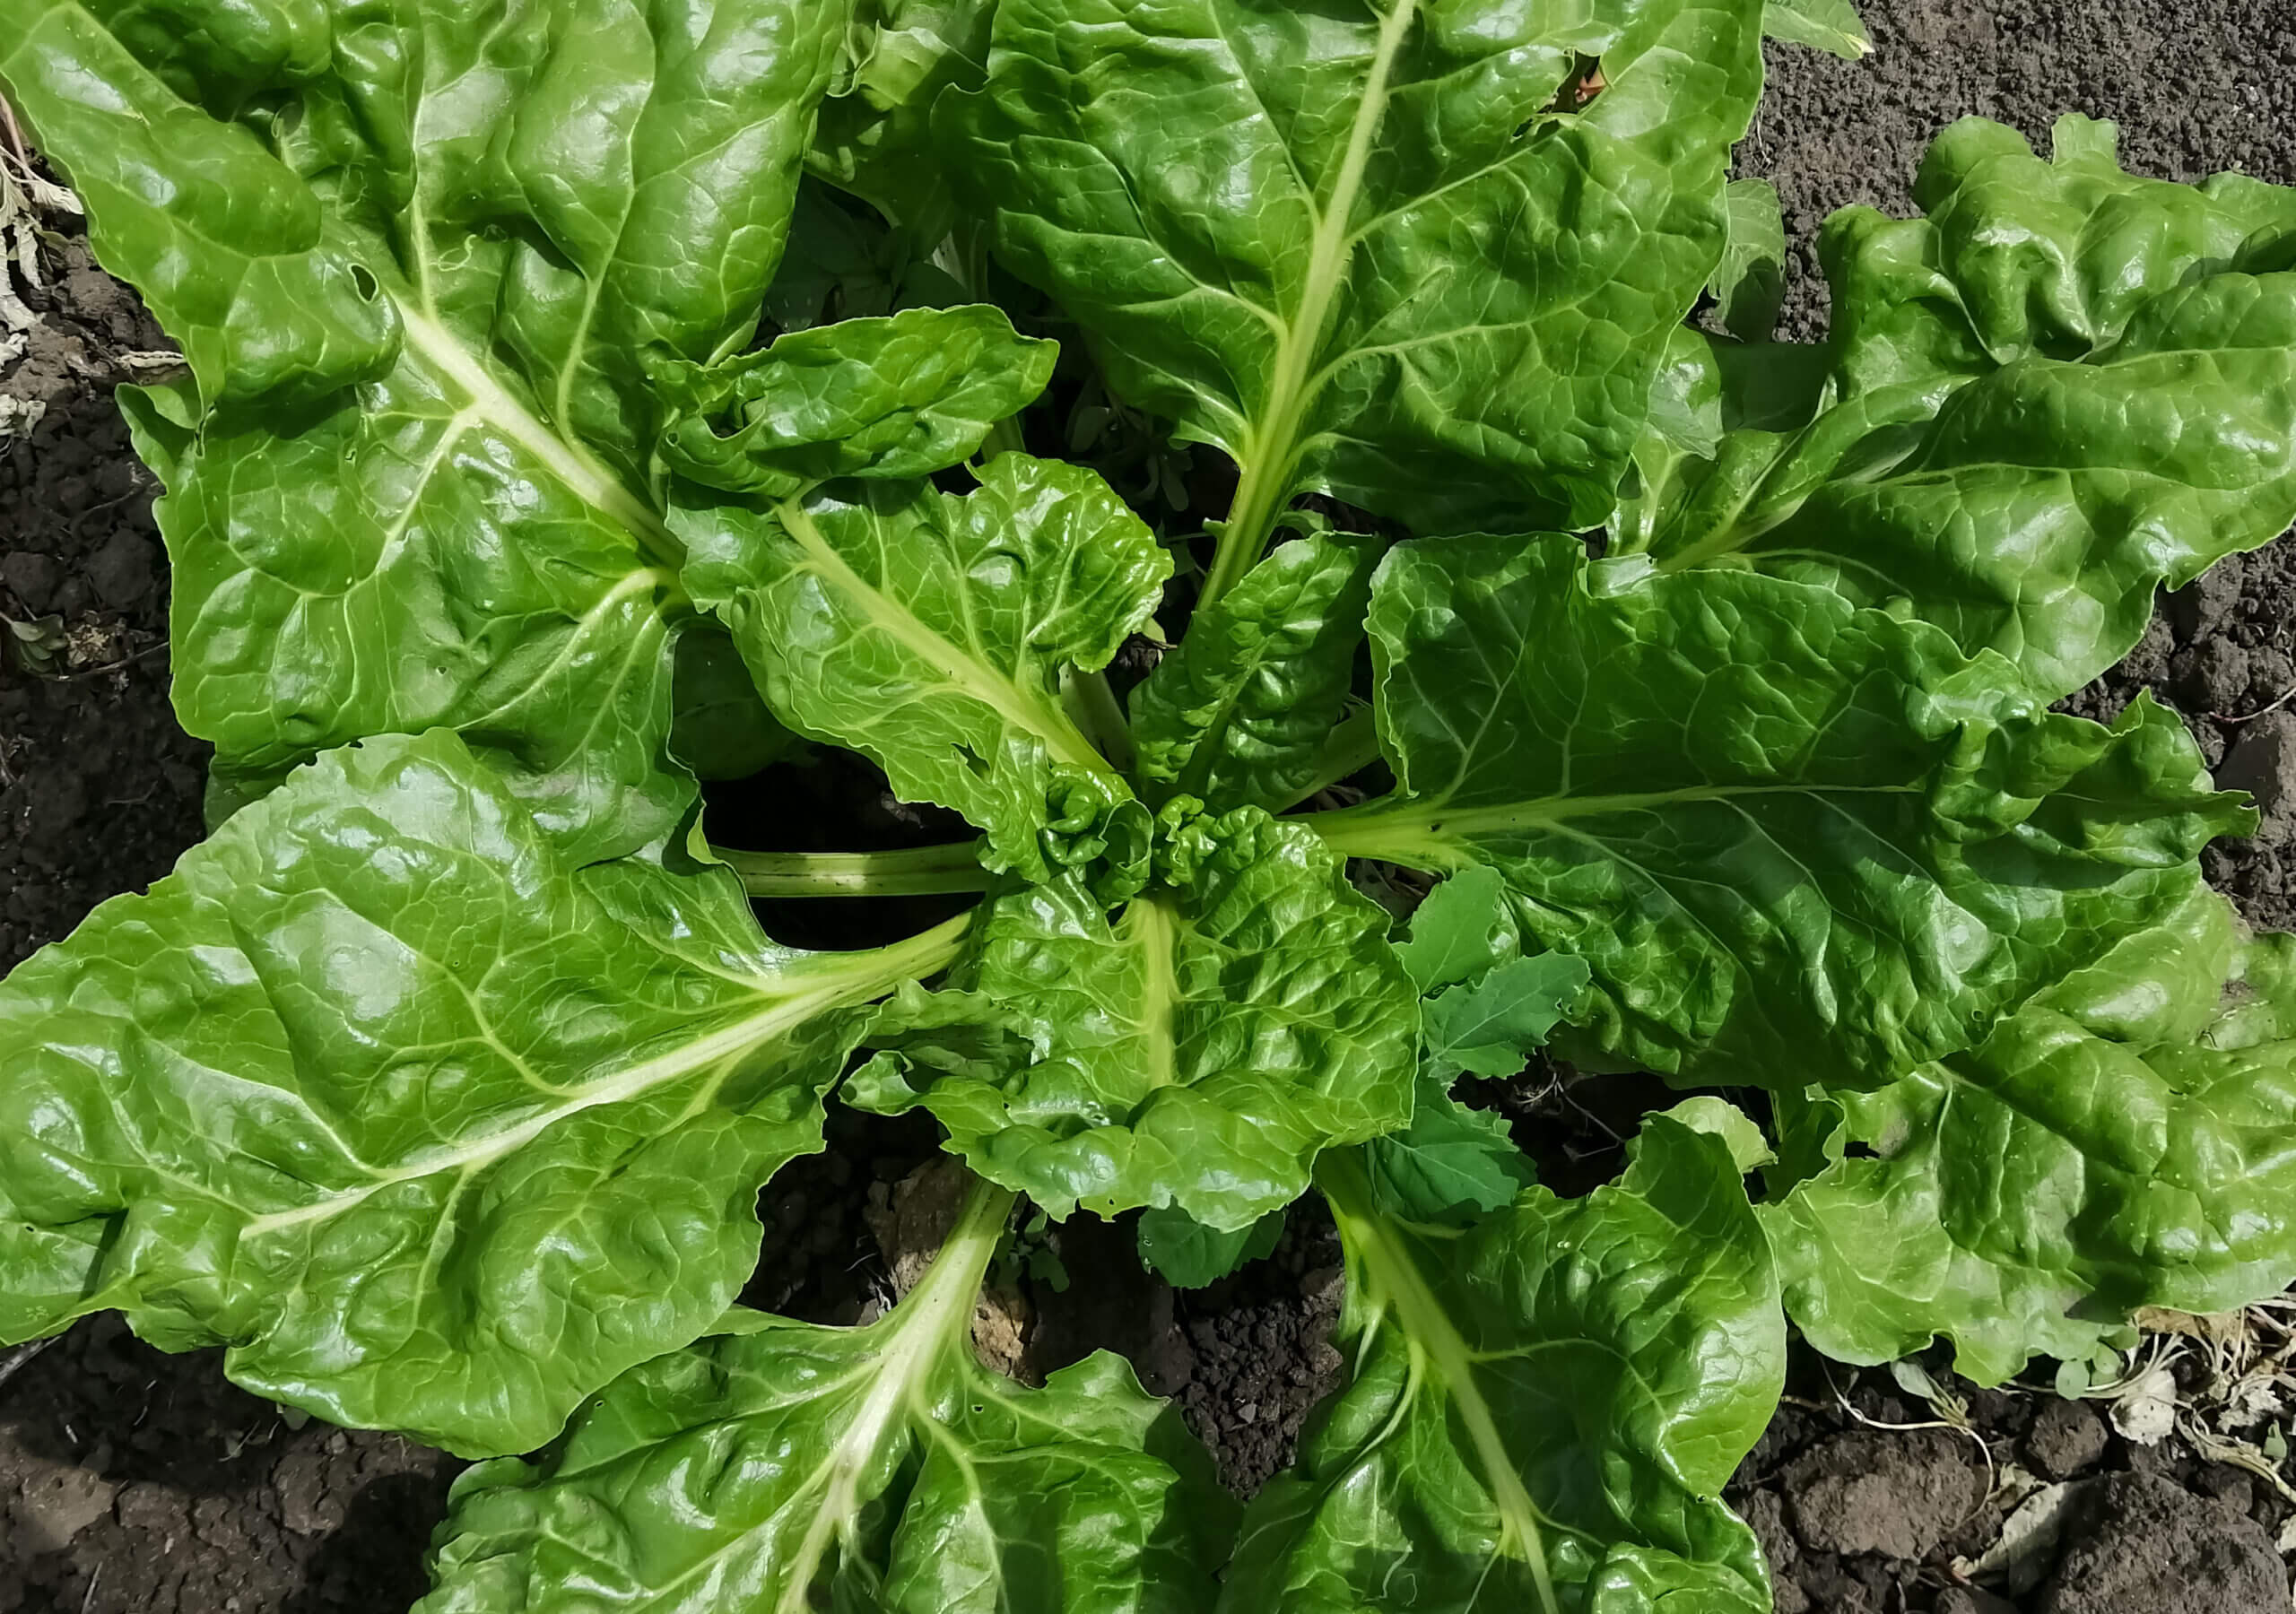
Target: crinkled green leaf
[1567,1384]
[1238,714]
[876,137]
[931,630]
[882,398]
[1490,1027]
[1357,245]
[1832,26]
[2123,1141]
[782,1466]
[420,287]
[1795,841]
[1196,1051]
[2062,389]
[1750,282]
[436,1130]
[1448,1165]
[1187,1255]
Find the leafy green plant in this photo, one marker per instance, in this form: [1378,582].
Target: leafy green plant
[439,1085]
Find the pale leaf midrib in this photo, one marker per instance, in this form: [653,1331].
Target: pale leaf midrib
[965,673]
[1393,1274]
[1372,830]
[841,982]
[933,1322]
[1272,446]
[573,466]
[1151,926]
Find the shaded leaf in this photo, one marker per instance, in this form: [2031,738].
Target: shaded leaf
[1187,1255]
[1450,1163]
[1238,714]
[882,398]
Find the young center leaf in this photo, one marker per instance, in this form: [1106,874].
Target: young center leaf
[1382,251]
[932,631]
[1542,1410]
[1240,714]
[2059,391]
[2120,1141]
[783,1467]
[435,1128]
[1795,842]
[887,398]
[1198,1051]
[421,288]
[1486,1008]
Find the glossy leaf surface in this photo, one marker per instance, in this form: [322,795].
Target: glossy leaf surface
[421,289]
[1198,1051]
[1358,247]
[902,397]
[1238,715]
[2121,1142]
[930,631]
[1796,842]
[784,1467]
[437,1129]
[2061,389]
[1543,1410]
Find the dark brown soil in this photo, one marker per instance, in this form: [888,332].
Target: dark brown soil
[137,1483]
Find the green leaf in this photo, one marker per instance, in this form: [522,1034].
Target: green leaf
[844,261]
[1464,928]
[881,398]
[1357,247]
[1187,1255]
[1832,26]
[1750,282]
[1449,1163]
[1724,1120]
[2121,1142]
[434,1129]
[721,729]
[421,289]
[1238,714]
[930,632]
[1489,1027]
[784,1466]
[2058,392]
[1544,1409]
[876,137]
[1795,842]
[1198,1051]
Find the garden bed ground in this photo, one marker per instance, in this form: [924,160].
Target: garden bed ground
[136,1483]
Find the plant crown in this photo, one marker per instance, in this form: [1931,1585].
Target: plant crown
[440,1084]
